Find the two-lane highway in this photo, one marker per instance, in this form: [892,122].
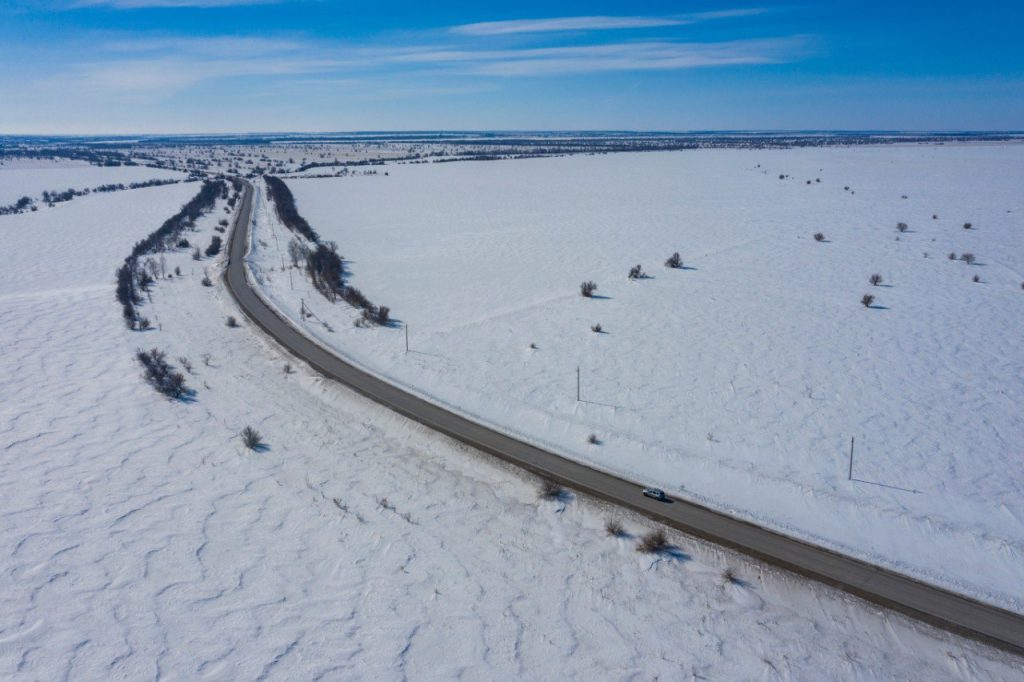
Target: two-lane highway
[919,600]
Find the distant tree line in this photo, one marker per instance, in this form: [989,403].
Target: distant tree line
[284,202]
[22,204]
[326,268]
[133,279]
[58,196]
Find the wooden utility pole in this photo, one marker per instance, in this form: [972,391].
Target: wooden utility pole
[850,478]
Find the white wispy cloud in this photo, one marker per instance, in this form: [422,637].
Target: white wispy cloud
[490,28]
[217,46]
[632,56]
[153,66]
[593,23]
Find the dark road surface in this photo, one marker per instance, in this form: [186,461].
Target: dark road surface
[919,600]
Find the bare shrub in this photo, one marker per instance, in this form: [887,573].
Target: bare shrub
[177,271]
[967,226]
[654,542]
[372,315]
[951,256]
[587,289]
[614,528]
[901,227]
[875,279]
[288,368]
[968,258]
[160,375]
[185,364]
[207,282]
[976,279]
[730,576]
[196,254]
[935,216]
[593,439]
[232,322]
[297,251]
[819,237]
[866,300]
[596,328]
[549,490]
[636,272]
[674,261]
[251,438]
[142,324]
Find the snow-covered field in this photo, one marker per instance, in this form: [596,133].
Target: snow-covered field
[31,178]
[739,380]
[141,540]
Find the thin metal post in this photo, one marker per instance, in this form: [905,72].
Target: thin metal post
[577,383]
[850,478]
[406,338]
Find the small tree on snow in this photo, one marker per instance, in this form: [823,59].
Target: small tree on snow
[587,289]
[251,438]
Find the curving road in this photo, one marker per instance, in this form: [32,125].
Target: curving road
[919,600]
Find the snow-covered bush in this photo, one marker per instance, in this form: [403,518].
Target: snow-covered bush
[214,248]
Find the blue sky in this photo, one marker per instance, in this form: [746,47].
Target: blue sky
[179,66]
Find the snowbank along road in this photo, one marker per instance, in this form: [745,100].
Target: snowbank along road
[930,604]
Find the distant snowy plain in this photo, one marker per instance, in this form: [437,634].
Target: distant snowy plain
[142,541]
[32,178]
[739,380]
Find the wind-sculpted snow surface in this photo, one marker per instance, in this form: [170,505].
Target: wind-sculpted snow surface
[142,540]
[739,379]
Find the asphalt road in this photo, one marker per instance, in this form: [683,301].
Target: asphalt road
[919,600]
